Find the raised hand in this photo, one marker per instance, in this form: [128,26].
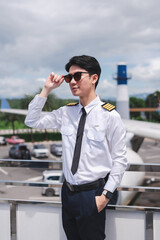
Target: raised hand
[53,81]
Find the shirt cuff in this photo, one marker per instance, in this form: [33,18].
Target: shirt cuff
[110,186]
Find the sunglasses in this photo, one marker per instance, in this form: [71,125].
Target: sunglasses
[76,76]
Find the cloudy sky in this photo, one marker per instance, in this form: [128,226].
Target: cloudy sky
[40,36]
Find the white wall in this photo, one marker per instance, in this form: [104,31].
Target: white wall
[5,221]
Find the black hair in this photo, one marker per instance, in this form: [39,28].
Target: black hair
[90,64]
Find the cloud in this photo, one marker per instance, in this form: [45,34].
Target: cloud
[147,75]
[106,89]
[38,37]
[15,87]
[148,71]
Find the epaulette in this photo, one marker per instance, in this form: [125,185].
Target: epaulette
[72,104]
[108,106]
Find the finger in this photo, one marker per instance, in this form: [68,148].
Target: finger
[61,79]
[51,76]
[58,78]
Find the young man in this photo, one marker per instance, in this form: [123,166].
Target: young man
[94,151]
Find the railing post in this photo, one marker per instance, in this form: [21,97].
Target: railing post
[149,225]
[13,220]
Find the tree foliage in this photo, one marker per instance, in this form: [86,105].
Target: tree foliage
[152,102]
[136,103]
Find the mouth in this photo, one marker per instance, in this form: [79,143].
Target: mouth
[75,88]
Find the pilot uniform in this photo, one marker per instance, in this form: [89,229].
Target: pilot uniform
[103,153]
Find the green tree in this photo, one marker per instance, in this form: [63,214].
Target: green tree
[136,103]
[152,102]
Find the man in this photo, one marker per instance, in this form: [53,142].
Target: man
[94,152]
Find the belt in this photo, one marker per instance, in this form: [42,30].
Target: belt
[87,186]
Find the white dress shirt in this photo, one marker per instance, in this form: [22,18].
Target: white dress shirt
[103,146]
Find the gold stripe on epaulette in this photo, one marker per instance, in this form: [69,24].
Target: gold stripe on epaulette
[108,106]
[72,104]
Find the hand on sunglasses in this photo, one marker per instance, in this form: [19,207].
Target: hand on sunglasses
[53,81]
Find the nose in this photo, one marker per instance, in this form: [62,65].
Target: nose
[73,80]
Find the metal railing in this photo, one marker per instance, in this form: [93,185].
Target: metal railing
[145,167]
[149,213]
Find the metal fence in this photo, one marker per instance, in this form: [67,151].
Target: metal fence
[22,219]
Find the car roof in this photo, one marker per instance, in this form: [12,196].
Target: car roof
[38,145]
[52,172]
[56,144]
[19,145]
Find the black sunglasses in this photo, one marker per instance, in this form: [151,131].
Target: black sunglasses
[76,76]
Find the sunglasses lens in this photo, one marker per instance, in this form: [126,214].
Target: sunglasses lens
[68,78]
[77,76]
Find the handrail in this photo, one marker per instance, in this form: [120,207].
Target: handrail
[24,163]
[42,184]
[140,167]
[30,184]
[145,167]
[58,203]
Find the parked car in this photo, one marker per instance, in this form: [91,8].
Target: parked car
[15,140]
[51,176]
[56,149]
[39,150]
[19,151]
[3,140]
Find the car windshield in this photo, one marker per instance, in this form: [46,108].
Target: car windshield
[53,178]
[41,146]
[15,137]
[57,145]
[22,147]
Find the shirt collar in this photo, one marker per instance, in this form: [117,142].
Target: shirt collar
[92,104]
[89,107]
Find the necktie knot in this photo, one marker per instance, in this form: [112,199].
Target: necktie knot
[83,111]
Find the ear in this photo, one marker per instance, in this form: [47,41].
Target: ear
[94,78]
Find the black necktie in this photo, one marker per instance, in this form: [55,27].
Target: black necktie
[77,149]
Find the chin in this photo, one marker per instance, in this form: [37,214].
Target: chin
[75,93]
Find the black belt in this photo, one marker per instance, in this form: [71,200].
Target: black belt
[87,186]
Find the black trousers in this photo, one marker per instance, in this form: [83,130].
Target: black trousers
[80,217]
